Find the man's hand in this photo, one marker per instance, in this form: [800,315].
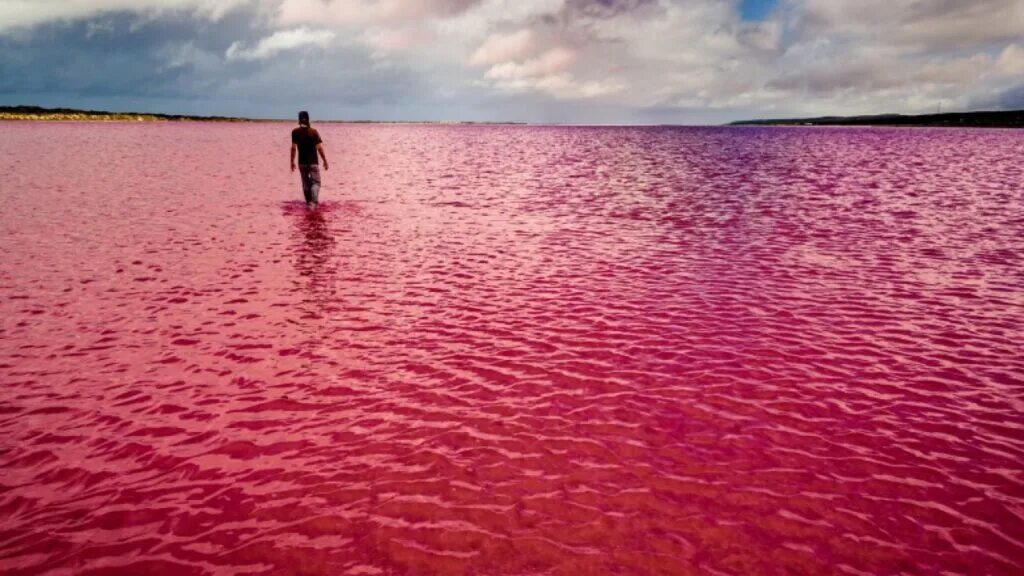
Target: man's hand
[293,166]
[326,167]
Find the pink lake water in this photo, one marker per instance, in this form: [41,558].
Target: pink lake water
[511,350]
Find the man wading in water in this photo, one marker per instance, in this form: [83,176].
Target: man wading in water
[307,141]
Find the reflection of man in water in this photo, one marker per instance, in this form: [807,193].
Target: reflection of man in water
[315,291]
[307,141]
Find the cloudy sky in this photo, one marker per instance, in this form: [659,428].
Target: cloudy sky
[569,61]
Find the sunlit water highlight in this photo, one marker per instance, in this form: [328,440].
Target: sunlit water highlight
[511,350]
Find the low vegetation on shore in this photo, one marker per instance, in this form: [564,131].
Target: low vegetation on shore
[1007,119]
[1002,119]
[72,114]
[38,113]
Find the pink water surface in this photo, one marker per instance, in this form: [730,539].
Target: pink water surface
[511,350]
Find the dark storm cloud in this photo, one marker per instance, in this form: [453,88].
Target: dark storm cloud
[1008,99]
[154,61]
[1012,99]
[114,54]
[296,76]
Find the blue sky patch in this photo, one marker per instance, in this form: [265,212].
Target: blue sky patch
[756,9]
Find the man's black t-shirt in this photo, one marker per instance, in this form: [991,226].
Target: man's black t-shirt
[306,139]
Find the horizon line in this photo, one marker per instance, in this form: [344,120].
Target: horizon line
[23,112]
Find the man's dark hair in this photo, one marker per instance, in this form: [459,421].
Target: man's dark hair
[304,118]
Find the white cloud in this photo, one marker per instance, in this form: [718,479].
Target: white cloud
[1011,61]
[938,24]
[17,13]
[808,57]
[554,61]
[504,48]
[560,86]
[279,42]
[347,12]
[386,41]
[954,71]
[548,73]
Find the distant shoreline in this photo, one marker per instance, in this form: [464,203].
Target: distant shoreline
[37,113]
[1007,119]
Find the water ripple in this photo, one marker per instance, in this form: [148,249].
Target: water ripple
[512,350]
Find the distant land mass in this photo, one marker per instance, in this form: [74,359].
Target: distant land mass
[1002,119]
[1007,119]
[38,113]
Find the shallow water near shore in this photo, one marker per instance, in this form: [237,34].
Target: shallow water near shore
[511,350]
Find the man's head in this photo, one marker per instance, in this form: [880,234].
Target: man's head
[304,118]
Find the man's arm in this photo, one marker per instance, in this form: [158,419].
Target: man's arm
[293,156]
[320,150]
